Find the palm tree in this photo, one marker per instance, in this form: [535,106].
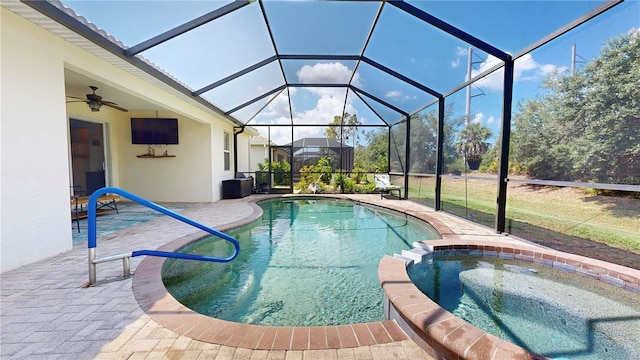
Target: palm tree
[472,144]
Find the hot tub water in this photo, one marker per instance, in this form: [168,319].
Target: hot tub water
[545,310]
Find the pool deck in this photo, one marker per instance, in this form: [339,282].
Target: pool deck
[48,312]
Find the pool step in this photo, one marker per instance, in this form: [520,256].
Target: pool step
[414,255]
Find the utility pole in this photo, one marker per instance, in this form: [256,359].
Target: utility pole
[468,99]
[466,124]
[573,59]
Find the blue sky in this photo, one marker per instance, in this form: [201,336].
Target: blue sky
[400,42]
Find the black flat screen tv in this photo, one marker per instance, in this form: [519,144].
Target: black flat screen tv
[154,131]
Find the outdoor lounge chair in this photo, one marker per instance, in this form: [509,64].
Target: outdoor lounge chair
[383,184]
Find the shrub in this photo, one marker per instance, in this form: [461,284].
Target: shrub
[281,172]
[323,167]
[366,188]
[338,180]
[358,172]
[457,167]
[349,186]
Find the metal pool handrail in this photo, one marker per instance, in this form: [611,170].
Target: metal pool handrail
[92,241]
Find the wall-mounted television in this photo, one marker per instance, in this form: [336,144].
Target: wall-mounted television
[154,131]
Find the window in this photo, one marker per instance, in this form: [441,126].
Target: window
[227,151]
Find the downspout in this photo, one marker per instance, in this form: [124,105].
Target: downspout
[235,149]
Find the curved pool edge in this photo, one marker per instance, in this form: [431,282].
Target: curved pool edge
[399,205]
[445,336]
[152,296]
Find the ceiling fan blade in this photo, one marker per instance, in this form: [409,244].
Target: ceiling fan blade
[113,105]
[75,97]
[76,101]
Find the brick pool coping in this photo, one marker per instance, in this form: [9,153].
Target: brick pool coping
[445,336]
[153,298]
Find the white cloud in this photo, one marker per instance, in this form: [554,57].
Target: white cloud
[279,107]
[493,81]
[326,73]
[460,51]
[525,69]
[326,107]
[549,68]
[329,102]
[397,95]
[393,94]
[477,118]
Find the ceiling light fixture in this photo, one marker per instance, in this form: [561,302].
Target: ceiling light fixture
[94,105]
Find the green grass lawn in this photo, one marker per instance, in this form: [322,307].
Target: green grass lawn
[535,211]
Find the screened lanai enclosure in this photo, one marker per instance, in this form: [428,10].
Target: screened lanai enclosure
[495,111]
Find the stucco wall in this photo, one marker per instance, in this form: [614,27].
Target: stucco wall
[183,178]
[35,156]
[258,153]
[34,192]
[243,151]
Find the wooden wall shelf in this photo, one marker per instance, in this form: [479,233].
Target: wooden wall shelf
[155,156]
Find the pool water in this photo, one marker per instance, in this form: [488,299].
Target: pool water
[306,262]
[545,310]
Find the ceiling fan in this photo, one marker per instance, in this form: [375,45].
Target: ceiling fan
[95,101]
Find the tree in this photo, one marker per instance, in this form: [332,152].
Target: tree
[423,137]
[281,171]
[472,144]
[348,129]
[424,143]
[424,140]
[374,157]
[609,147]
[586,126]
[536,145]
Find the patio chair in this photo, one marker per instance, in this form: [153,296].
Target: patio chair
[383,184]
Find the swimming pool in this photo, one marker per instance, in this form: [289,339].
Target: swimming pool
[306,262]
[545,310]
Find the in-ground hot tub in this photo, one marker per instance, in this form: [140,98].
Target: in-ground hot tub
[612,333]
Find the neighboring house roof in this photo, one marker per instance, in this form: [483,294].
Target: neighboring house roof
[261,140]
[318,142]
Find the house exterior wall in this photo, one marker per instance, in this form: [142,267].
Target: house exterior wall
[258,153]
[35,151]
[217,158]
[34,166]
[183,178]
[243,147]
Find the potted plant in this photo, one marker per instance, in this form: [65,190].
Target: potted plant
[472,144]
